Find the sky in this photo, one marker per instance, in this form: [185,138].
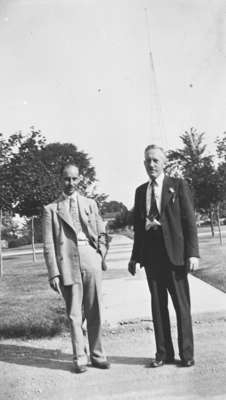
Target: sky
[81,72]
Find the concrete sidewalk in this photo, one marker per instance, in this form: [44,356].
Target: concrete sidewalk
[128,298]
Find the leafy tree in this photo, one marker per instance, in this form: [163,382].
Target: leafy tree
[31,177]
[192,155]
[206,180]
[221,147]
[122,220]
[221,169]
[27,173]
[7,191]
[100,198]
[221,152]
[113,206]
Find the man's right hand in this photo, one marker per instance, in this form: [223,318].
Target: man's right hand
[55,284]
[132,267]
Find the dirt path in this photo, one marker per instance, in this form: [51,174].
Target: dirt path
[41,369]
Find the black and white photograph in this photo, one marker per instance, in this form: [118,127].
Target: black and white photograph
[112,199]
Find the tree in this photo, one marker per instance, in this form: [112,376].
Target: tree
[221,147]
[6,189]
[34,171]
[221,153]
[113,206]
[120,221]
[201,172]
[192,155]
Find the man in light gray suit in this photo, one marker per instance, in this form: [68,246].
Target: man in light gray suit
[75,246]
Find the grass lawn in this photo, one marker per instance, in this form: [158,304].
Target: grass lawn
[29,308]
[212,263]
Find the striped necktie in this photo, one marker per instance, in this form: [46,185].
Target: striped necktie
[153,212]
[75,215]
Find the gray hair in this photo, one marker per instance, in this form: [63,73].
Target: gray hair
[154,147]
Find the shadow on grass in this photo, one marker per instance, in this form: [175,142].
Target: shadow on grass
[34,357]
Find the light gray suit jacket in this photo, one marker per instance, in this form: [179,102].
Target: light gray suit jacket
[59,237]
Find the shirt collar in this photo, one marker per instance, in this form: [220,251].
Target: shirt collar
[72,196]
[159,180]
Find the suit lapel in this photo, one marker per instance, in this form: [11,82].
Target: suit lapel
[166,194]
[143,201]
[63,212]
[85,211]
[82,207]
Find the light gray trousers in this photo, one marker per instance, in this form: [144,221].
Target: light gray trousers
[83,302]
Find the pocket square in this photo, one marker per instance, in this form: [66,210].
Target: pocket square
[151,223]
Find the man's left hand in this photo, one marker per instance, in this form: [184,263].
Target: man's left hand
[104,265]
[192,264]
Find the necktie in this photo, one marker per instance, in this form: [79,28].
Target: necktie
[74,214]
[154,212]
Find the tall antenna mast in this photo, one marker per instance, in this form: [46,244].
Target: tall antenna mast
[157,133]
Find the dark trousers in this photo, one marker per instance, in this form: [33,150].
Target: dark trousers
[164,278]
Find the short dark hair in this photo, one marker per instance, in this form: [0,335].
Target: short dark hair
[153,147]
[67,165]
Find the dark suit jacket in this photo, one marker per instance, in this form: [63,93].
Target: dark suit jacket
[177,220]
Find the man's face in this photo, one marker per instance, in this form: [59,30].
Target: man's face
[154,162]
[71,179]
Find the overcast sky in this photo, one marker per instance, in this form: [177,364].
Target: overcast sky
[79,70]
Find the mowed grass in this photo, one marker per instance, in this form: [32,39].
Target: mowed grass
[28,307]
[212,267]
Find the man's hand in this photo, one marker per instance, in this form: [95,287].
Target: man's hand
[192,264]
[55,284]
[132,267]
[104,265]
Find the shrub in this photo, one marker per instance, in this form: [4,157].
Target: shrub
[19,241]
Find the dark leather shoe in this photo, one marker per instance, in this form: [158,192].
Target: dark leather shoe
[101,364]
[187,363]
[79,369]
[160,363]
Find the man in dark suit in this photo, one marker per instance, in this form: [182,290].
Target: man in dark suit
[75,247]
[166,244]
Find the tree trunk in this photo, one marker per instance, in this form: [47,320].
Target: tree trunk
[212,222]
[218,223]
[1,260]
[33,238]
